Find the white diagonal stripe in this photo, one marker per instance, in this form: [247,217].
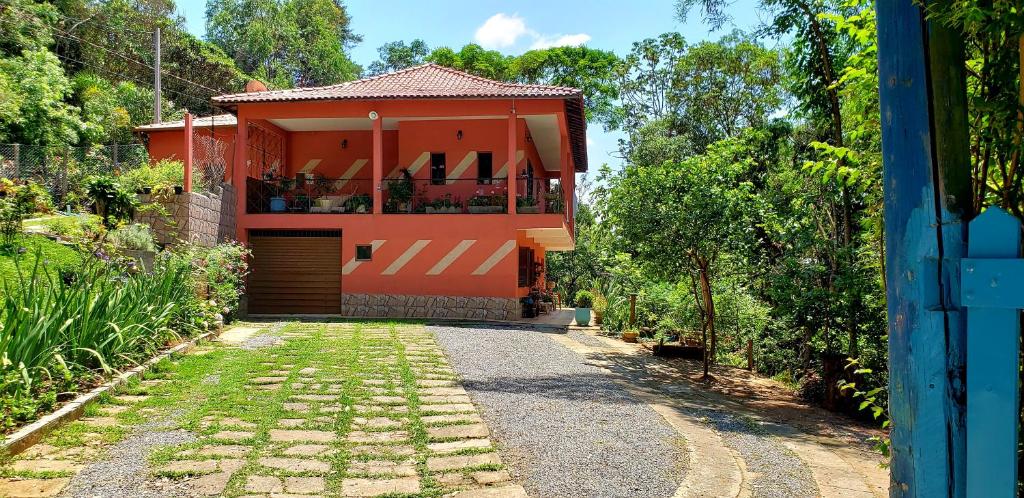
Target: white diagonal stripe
[498,255]
[350,172]
[310,166]
[409,253]
[503,172]
[450,257]
[414,167]
[354,263]
[461,168]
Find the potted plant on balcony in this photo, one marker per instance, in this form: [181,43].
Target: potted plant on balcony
[584,300]
[321,187]
[361,203]
[527,205]
[553,202]
[486,204]
[401,191]
[444,205]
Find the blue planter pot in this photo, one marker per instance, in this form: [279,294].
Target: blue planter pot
[277,204]
[582,317]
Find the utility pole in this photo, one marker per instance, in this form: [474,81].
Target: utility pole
[156,77]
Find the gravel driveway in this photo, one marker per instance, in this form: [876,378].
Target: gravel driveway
[565,427]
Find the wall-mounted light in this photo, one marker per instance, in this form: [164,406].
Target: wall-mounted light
[344,143]
[459,135]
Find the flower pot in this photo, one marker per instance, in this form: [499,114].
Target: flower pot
[598,317]
[583,317]
[277,205]
[323,202]
[630,336]
[147,190]
[528,209]
[485,209]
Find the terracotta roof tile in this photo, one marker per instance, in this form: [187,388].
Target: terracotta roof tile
[203,122]
[428,81]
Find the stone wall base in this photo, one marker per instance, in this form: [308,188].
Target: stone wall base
[199,218]
[407,306]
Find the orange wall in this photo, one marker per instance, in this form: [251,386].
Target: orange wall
[169,144]
[444,232]
[305,146]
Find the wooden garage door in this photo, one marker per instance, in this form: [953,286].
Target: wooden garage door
[295,272]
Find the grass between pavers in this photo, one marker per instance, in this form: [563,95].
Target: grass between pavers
[216,383]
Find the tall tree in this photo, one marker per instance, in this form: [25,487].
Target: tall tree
[288,43]
[697,95]
[397,55]
[682,218]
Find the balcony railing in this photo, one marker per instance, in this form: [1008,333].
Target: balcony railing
[445,196]
[404,195]
[315,195]
[536,196]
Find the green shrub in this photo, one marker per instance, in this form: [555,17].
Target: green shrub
[224,268]
[17,202]
[136,237]
[166,173]
[80,228]
[112,202]
[58,332]
[584,299]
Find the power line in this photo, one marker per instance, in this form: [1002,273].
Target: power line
[114,74]
[64,34]
[185,98]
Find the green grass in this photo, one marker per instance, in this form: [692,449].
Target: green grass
[58,256]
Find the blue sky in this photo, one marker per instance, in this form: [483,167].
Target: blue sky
[513,28]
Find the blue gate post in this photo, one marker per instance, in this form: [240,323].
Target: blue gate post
[927,196]
[993,280]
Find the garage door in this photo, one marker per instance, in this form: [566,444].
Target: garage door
[295,272]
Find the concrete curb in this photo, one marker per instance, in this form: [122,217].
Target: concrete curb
[259,317]
[30,434]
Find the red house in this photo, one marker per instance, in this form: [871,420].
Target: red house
[395,195]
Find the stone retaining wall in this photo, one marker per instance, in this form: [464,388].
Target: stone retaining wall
[200,218]
[406,306]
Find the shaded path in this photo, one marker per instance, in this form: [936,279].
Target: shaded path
[579,415]
[567,428]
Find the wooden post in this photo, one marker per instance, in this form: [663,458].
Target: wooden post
[632,310]
[187,153]
[992,284]
[927,195]
[750,355]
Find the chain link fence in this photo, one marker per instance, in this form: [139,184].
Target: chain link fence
[64,169]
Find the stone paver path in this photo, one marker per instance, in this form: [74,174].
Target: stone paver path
[283,410]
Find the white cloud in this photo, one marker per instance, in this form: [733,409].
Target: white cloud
[560,41]
[500,30]
[503,31]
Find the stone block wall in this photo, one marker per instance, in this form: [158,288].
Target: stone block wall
[407,306]
[201,218]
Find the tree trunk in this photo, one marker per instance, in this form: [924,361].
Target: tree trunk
[709,308]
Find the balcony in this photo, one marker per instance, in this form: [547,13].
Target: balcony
[322,195]
[317,195]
